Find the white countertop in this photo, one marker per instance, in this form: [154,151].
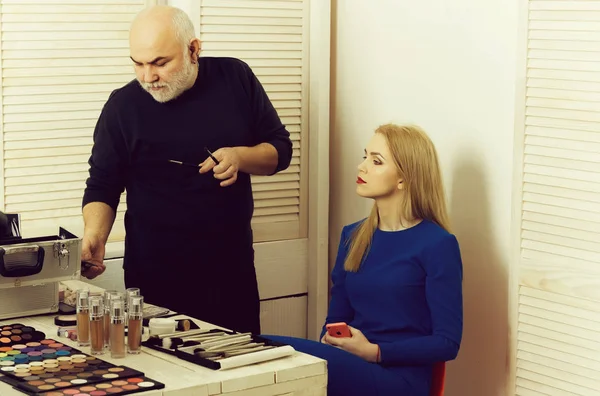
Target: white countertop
[298,374]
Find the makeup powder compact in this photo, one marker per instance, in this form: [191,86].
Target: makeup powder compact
[31,268]
[65,320]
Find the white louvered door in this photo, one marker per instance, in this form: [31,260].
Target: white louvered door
[558,329]
[59,61]
[271,37]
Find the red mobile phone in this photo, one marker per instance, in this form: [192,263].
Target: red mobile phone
[339,329]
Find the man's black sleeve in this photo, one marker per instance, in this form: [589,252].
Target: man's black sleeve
[268,127]
[108,160]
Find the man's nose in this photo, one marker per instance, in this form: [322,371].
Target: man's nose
[149,74]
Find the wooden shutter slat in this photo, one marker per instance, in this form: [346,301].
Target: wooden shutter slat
[558,350]
[50,107]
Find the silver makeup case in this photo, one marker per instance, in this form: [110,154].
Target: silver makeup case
[30,270]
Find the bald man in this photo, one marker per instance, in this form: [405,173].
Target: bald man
[188,241]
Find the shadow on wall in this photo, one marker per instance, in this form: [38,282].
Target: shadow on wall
[480,369]
[334,138]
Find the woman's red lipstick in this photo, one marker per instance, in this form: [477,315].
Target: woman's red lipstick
[360,181]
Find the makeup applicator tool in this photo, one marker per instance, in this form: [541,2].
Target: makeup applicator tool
[171,342]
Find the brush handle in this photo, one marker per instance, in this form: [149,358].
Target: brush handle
[221,345]
[182,334]
[225,340]
[183,163]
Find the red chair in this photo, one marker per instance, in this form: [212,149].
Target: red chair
[439,379]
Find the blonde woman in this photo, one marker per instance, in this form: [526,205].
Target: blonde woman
[397,280]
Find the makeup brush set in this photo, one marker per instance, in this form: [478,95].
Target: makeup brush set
[218,349]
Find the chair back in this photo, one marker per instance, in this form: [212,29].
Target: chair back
[439,379]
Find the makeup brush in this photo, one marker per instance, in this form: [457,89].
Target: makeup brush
[158,338]
[211,156]
[199,337]
[233,346]
[170,342]
[183,333]
[224,342]
[185,163]
[219,347]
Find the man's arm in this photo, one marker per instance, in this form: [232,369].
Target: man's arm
[258,160]
[270,150]
[107,173]
[104,186]
[98,219]
[272,139]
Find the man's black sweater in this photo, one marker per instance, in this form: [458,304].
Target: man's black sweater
[136,136]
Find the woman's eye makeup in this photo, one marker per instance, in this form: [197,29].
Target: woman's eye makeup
[376,160]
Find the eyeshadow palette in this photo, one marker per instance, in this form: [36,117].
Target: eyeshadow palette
[114,388]
[47,367]
[18,334]
[40,382]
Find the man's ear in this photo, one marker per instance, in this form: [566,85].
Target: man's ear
[194,49]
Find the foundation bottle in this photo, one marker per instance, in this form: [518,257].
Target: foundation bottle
[117,329]
[132,291]
[83,317]
[107,297]
[96,325]
[134,324]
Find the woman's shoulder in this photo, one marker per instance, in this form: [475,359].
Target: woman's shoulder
[436,238]
[348,228]
[435,231]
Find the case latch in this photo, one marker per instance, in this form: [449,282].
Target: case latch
[61,252]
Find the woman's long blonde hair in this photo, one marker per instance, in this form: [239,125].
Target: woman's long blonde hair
[417,162]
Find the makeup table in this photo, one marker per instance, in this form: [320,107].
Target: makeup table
[295,375]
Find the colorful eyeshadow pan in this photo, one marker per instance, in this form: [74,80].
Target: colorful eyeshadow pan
[19,335]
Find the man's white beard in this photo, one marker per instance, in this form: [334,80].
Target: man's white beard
[180,81]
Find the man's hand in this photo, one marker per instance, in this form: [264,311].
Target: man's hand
[357,344]
[229,165]
[92,252]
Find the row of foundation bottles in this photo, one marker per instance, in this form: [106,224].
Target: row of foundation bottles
[102,319]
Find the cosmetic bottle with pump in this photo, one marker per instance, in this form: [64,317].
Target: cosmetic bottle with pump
[96,325]
[134,324]
[83,317]
[117,328]
[132,291]
[107,297]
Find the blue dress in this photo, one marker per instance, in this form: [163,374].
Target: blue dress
[407,298]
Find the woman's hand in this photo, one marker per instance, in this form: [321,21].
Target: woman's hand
[357,344]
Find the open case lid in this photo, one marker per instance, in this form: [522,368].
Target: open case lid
[39,260]
[10,227]
[62,234]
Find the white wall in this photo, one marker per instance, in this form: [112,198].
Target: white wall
[450,67]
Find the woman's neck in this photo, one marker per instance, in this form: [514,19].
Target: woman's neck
[390,217]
